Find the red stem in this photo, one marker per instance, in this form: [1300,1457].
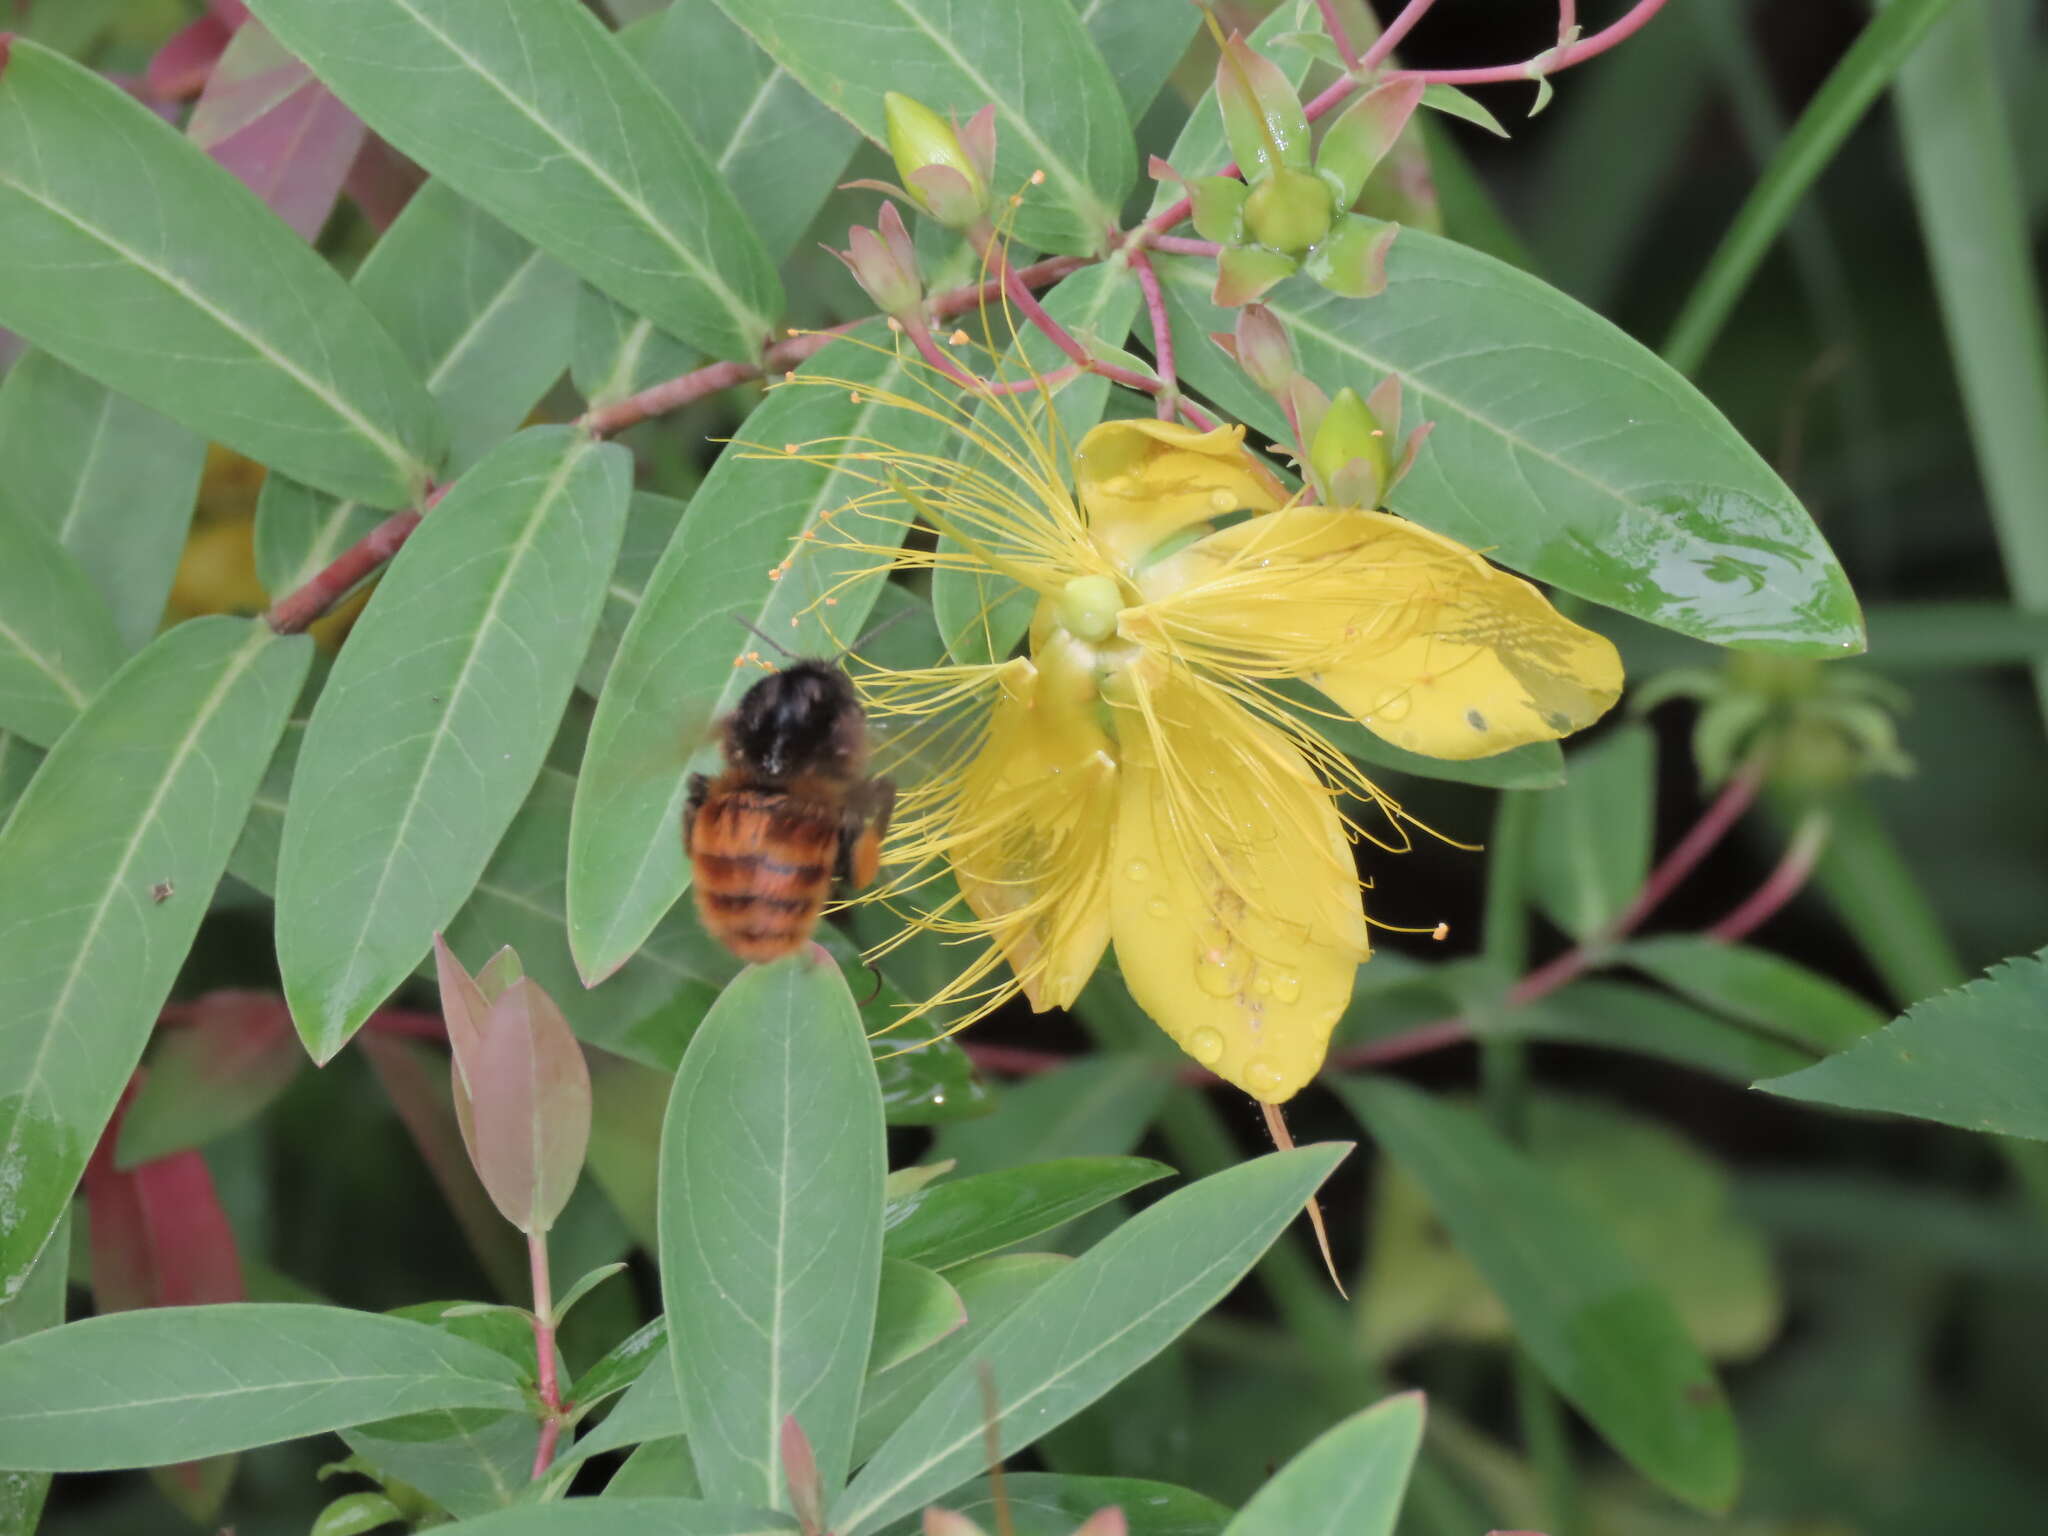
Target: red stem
[1389,40]
[1783,883]
[544,1352]
[1334,25]
[1162,332]
[296,610]
[1585,48]
[1180,245]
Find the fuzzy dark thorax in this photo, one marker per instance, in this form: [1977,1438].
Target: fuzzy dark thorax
[801,720]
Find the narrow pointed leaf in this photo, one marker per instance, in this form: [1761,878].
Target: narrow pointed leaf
[632,1517]
[1202,147]
[1616,480]
[1972,1058]
[1607,1338]
[224,1062]
[771,1204]
[1591,847]
[113,480]
[1767,992]
[137,260]
[1141,42]
[1349,1482]
[1050,1504]
[955,1220]
[436,718]
[915,1309]
[141,799]
[1087,1328]
[37,1306]
[681,664]
[57,639]
[174,1383]
[1056,104]
[561,138]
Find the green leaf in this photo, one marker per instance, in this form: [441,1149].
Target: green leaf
[771,1200]
[1087,1328]
[58,645]
[481,315]
[1830,114]
[18,764]
[982,617]
[1140,42]
[113,480]
[1636,493]
[38,1305]
[622,1365]
[1451,100]
[1591,846]
[630,1517]
[1757,988]
[1938,636]
[1099,1105]
[1057,108]
[434,722]
[128,253]
[354,1513]
[222,1066]
[778,147]
[130,1389]
[561,138]
[1048,1504]
[142,796]
[915,1309]
[1348,1483]
[651,521]
[657,1469]
[682,663]
[1608,1340]
[990,1289]
[1975,1058]
[956,1220]
[1623,1017]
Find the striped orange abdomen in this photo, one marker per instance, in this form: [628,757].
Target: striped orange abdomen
[763,869]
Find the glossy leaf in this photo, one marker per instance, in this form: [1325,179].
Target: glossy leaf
[1087,1328]
[771,1199]
[1056,104]
[38,1305]
[137,260]
[481,315]
[57,639]
[113,480]
[915,1309]
[1971,1058]
[1607,1339]
[1048,1504]
[1758,988]
[983,616]
[682,662]
[1634,492]
[1591,845]
[225,1062]
[1623,1017]
[651,521]
[1349,1482]
[955,1220]
[623,1364]
[561,138]
[141,800]
[1201,149]
[631,1517]
[174,1383]
[457,676]
[656,1469]
[990,1289]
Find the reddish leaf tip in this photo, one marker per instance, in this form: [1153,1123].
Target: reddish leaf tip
[6,49]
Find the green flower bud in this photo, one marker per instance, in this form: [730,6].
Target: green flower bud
[935,166]
[1288,210]
[1348,455]
[1088,606]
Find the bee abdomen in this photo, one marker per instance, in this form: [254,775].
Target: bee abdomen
[763,872]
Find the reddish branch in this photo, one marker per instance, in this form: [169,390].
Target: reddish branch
[296,610]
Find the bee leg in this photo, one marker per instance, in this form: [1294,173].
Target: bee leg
[700,788]
[860,839]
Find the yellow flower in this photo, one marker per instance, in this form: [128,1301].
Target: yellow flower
[1136,780]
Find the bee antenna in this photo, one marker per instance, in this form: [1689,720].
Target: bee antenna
[878,629]
[875,972]
[756,630]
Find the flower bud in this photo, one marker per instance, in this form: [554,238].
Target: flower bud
[1288,210]
[935,165]
[1348,455]
[885,263]
[1264,349]
[1262,116]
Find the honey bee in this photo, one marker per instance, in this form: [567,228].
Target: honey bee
[792,810]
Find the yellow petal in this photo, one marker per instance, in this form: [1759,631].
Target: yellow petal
[1036,808]
[1142,481]
[1414,634]
[1234,900]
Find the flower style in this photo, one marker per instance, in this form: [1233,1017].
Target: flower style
[1139,778]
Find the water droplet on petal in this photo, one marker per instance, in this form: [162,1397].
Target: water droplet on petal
[1157,906]
[1263,1077]
[1263,985]
[1206,1046]
[1216,974]
[1137,869]
[1286,987]
[1223,501]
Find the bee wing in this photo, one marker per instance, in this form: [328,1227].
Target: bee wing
[912,749]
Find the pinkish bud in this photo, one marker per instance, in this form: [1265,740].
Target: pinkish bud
[941,171]
[944,1522]
[885,264]
[800,1471]
[1264,350]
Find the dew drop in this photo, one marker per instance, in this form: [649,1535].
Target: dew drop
[1157,906]
[1206,1046]
[1263,1077]
[1286,987]
[1220,972]
[1263,985]
[1137,869]
[1223,501]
